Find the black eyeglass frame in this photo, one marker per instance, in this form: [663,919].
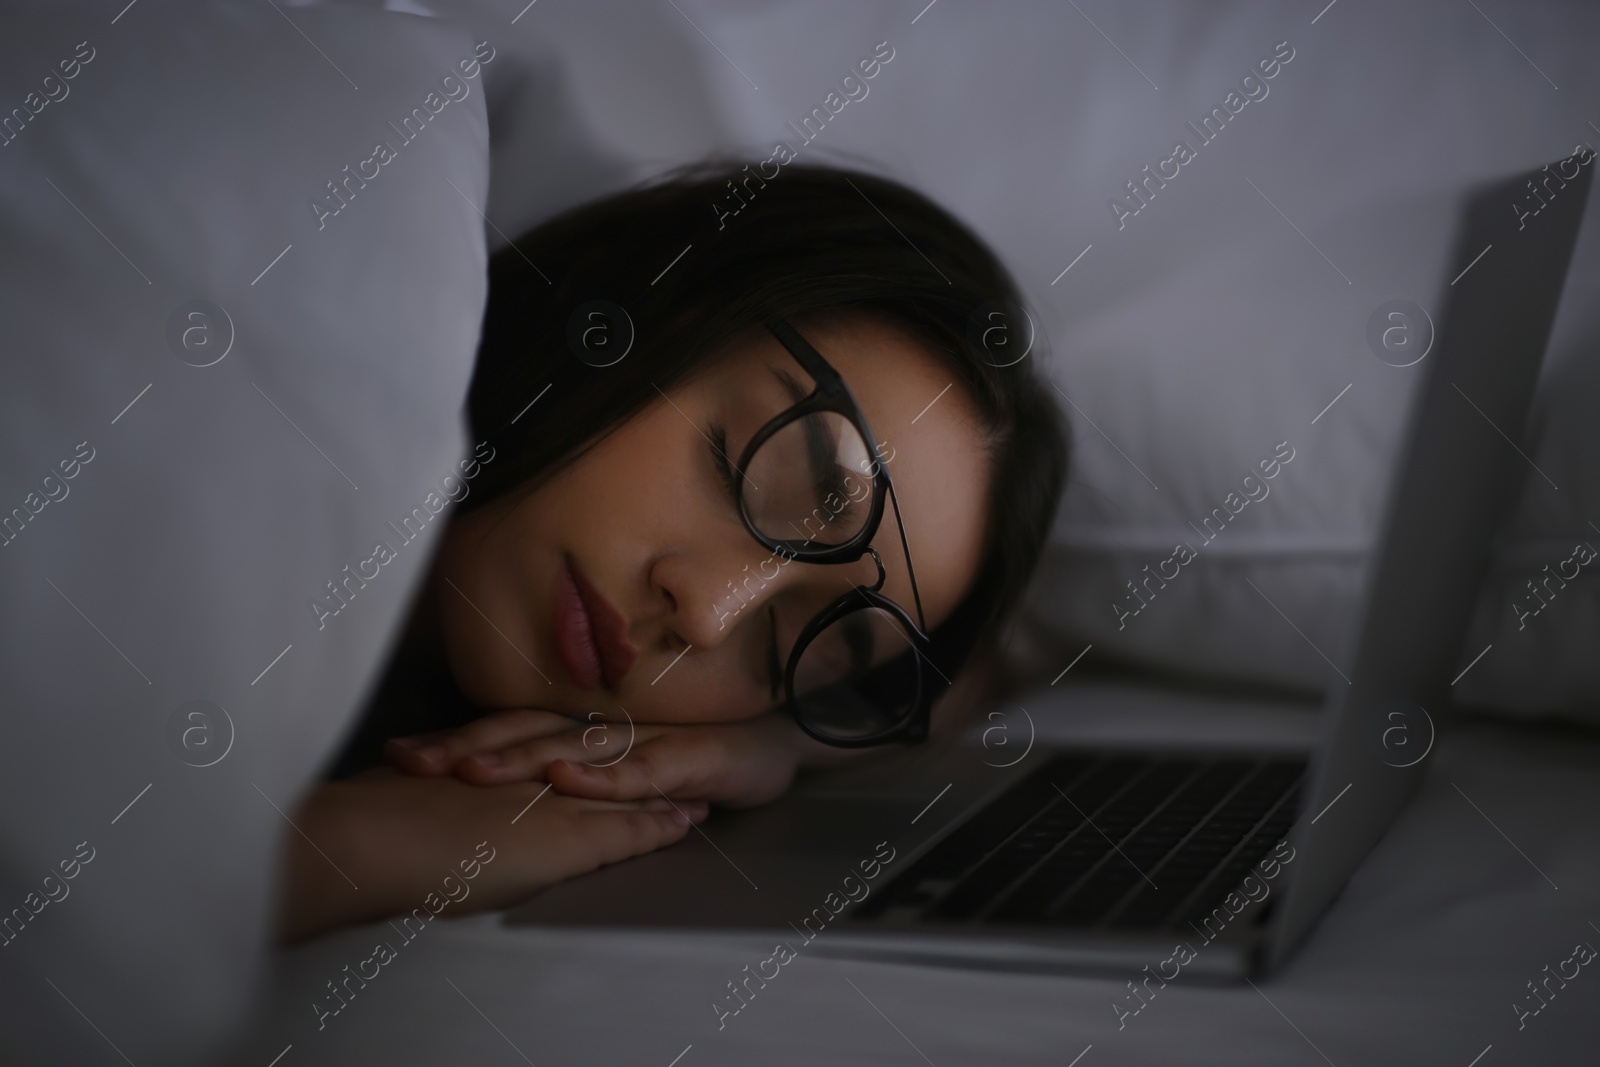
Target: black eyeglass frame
[833,395]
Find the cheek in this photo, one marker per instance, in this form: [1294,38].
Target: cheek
[487,576]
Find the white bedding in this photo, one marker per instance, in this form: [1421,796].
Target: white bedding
[209,504]
[1419,962]
[241,390]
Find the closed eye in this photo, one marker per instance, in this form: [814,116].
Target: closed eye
[718,438]
[774,663]
[860,639]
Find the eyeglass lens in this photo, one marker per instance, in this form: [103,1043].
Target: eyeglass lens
[857,677]
[808,482]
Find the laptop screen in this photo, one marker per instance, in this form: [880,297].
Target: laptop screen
[1461,462]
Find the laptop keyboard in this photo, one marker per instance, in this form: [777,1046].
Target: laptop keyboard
[1109,841]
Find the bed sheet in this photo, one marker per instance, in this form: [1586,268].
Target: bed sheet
[1488,878]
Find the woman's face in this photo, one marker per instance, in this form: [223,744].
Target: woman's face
[628,581]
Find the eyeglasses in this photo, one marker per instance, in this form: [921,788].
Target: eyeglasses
[812,486]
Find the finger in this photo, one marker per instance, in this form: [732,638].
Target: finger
[699,764]
[520,762]
[595,743]
[694,810]
[618,835]
[436,753]
[576,779]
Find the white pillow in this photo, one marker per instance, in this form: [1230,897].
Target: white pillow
[178,520]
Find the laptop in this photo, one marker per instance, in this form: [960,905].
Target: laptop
[1085,857]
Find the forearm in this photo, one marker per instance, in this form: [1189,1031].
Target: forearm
[322,884]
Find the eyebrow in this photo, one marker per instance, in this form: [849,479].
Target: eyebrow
[796,391]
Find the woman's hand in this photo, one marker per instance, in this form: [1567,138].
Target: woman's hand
[737,765]
[382,843]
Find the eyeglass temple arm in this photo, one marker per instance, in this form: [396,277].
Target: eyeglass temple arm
[905,547]
[801,349]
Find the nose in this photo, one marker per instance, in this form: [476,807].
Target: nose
[707,596]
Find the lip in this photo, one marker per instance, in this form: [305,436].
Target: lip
[591,636]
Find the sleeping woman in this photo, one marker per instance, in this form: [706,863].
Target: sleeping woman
[755,499]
